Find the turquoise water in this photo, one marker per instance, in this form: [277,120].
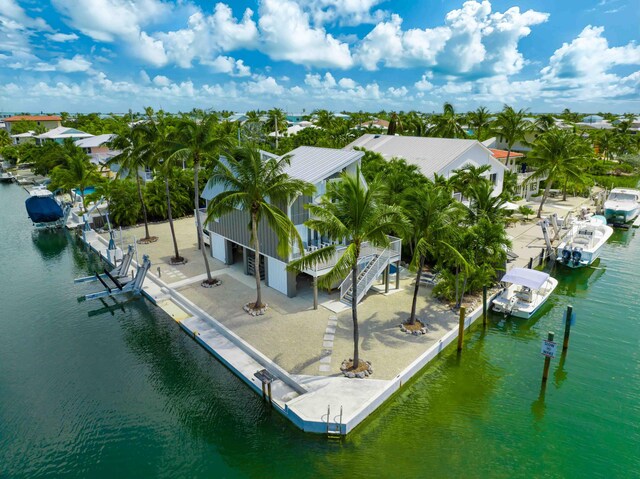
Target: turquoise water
[129,395]
[87,191]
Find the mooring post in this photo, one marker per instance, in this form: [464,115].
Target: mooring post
[264,393]
[397,274]
[269,389]
[541,257]
[530,263]
[315,292]
[386,278]
[547,361]
[461,328]
[567,328]
[484,306]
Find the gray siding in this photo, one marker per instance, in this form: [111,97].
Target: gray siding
[299,213]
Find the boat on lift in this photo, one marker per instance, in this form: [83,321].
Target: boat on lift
[44,210]
[6,177]
[582,245]
[622,205]
[525,291]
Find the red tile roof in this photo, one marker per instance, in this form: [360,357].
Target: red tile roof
[502,154]
[33,118]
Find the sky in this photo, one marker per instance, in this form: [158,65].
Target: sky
[301,55]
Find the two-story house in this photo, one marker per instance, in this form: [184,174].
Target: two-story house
[49,122]
[230,236]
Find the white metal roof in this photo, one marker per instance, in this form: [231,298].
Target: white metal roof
[431,155]
[63,132]
[526,277]
[314,164]
[94,141]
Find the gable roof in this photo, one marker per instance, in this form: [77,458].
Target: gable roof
[502,154]
[431,155]
[63,132]
[95,141]
[314,164]
[33,118]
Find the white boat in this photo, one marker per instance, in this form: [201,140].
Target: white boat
[6,177]
[622,205]
[45,210]
[527,290]
[583,243]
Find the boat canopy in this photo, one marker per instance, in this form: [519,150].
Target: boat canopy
[526,277]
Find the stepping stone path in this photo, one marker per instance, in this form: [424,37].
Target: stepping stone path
[173,274]
[327,344]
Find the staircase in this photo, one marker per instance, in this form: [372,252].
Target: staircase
[374,268]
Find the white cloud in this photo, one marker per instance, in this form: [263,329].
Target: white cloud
[161,80]
[286,34]
[398,92]
[10,10]
[65,65]
[263,86]
[316,81]
[472,39]
[144,76]
[230,66]
[424,84]
[347,83]
[62,37]
[343,12]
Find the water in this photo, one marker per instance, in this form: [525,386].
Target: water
[130,395]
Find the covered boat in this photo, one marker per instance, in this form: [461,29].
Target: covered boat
[622,205]
[527,290]
[43,209]
[582,245]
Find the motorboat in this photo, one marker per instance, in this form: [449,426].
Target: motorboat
[525,291]
[44,210]
[622,205]
[6,177]
[583,243]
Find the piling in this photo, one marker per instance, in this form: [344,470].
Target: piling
[461,328]
[530,266]
[567,328]
[484,306]
[547,362]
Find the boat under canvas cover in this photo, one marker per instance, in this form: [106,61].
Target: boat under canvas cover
[526,277]
[43,209]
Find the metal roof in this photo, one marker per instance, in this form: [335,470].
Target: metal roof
[95,141]
[63,132]
[314,164]
[431,155]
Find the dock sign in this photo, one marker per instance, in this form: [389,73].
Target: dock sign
[548,349]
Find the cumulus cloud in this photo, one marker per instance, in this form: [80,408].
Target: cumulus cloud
[62,37]
[347,83]
[316,81]
[230,66]
[345,13]
[263,86]
[65,65]
[424,84]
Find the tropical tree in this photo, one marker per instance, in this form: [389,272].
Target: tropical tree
[447,125]
[559,154]
[354,213]
[433,215]
[276,122]
[545,122]
[395,124]
[194,140]
[134,157]
[77,172]
[512,126]
[484,204]
[324,118]
[467,176]
[479,122]
[5,139]
[258,186]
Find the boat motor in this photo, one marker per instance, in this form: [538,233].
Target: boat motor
[576,256]
[566,255]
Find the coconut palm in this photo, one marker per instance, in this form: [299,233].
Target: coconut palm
[483,204]
[545,122]
[5,138]
[351,212]
[77,172]
[447,125]
[559,154]
[194,140]
[133,157]
[512,126]
[479,121]
[276,122]
[324,119]
[432,216]
[395,124]
[257,186]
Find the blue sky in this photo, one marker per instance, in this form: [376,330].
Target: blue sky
[112,55]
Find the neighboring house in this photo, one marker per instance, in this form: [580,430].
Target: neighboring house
[525,188]
[441,156]
[230,236]
[97,148]
[379,124]
[26,137]
[47,121]
[293,130]
[60,134]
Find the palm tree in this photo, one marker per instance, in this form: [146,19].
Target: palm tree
[467,176]
[276,121]
[133,157]
[5,138]
[512,126]
[77,172]
[324,118]
[479,121]
[395,124]
[194,140]
[432,214]
[351,212]
[257,186]
[483,204]
[447,125]
[545,123]
[559,154]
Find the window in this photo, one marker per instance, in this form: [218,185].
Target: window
[493,177]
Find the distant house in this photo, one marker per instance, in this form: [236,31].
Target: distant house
[47,121]
[97,147]
[379,124]
[61,133]
[518,165]
[441,156]
[294,130]
[230,237]
[21,138]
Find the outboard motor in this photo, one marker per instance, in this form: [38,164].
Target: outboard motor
[576,256]
[566,255]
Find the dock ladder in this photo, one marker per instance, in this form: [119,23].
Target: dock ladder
[334,428]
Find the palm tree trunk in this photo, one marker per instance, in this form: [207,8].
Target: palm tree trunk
[457,283]
[564,191]
[256,269]
[464,287]
[544,196]
[196,205]
[170,215]
[82,197]
[144,208]
[354,313]
[506,162]
[412,318]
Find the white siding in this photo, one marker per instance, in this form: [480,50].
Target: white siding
[277,274]
[478,156]
[217,247]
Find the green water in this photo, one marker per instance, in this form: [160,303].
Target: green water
[130,395]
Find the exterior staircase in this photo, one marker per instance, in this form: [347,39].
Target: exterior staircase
[374,267]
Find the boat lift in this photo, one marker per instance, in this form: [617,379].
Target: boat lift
[120,272]
[120,284]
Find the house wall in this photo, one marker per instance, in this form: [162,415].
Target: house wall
[501,144]
[478,156]
[49,125]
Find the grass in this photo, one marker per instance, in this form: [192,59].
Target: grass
[610,181]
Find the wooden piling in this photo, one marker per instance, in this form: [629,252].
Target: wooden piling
[530,266]
[484,306]
[567,328]
[547,361]
[461,328]
[269,390]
